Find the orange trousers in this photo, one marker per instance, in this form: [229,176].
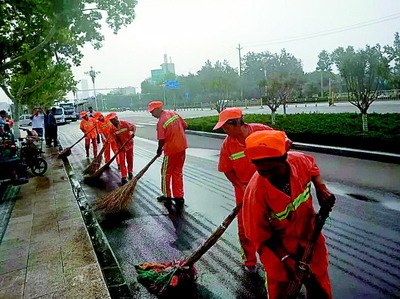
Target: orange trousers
[107,151]
[277,288]
[248,249]
[87,146]
[172,174]
[126,162]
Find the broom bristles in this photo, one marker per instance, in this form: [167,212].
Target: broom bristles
[94,166]
[118,199]
[64,153]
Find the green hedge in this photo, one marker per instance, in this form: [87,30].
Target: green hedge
[336,129]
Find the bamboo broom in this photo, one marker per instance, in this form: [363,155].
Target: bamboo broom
[67,151]
[100,171]
[161,278]
[121,197]
[94,166]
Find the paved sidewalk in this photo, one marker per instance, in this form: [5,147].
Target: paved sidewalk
[46,250]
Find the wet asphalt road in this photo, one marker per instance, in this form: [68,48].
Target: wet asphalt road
[363,233]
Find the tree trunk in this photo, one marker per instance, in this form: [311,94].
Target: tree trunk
[273,117]
[364,117]
[16,114]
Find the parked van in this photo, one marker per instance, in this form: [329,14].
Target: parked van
[25,120]
[59,115]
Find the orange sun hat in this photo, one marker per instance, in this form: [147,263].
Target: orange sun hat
[227,114]
[111,115]
[265,144]
[97,114]
[83,113]
[154,105]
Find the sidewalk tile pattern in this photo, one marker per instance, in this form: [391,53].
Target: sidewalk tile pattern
[46,250]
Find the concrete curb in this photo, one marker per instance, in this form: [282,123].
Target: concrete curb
[339,151]
[114,278]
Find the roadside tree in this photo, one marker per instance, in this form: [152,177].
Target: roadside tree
[364,72]
[220,83]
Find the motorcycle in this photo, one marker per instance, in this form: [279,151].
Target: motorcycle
[12,167]
[31,153]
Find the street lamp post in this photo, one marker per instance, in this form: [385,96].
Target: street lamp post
[92,73]
[265,83]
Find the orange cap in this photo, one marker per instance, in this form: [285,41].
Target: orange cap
[228,113]
[111,115]
[83,113]
[154,105]
[97,114]
[265,144]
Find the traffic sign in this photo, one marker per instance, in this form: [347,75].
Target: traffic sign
[172,84]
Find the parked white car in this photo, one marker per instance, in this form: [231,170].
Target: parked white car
[59,115]
[25,120]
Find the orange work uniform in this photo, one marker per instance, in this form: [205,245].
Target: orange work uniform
[104,127]
[171,128]
[267,211]
[232,157]
[122,133]
[87,126]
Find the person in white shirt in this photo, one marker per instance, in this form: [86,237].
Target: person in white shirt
[38,121]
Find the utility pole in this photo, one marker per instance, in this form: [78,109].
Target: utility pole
[240,72]
[92,73]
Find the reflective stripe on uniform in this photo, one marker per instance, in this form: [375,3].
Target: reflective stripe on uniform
[164,176]
[237,156]
[303,197]
[120,131]
[175,117]
[105,126]
[88,124]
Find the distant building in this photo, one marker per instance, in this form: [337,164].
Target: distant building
[157,75]
[129,90]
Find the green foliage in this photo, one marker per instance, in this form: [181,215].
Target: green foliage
[336,129]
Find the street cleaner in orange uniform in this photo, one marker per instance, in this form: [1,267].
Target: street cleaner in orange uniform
[87,125]
[238,169]
[278,213]
[172,140]
[122,131]
[104,127]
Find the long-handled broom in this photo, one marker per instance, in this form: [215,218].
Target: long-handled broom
[100,171]
[67,151]
[161,278]
[94,166]
[121,197]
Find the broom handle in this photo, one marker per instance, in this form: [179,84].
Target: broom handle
[115,156]
[141,173]
[104,146]
[79,140]
[195,256]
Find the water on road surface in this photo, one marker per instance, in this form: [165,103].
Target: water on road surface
[363,232]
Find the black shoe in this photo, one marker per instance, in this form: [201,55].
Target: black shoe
[130,175]
[179,200]
[123,181]
[163,198]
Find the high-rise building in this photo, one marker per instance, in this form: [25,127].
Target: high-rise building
[157,75]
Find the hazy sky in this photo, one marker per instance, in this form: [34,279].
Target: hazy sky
[190,32]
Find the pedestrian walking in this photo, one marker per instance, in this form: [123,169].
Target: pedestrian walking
[104,127]
[238,169]
[123,131]
[87,126]
[37,119]
[278,213]
[172,141]
[51,130]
